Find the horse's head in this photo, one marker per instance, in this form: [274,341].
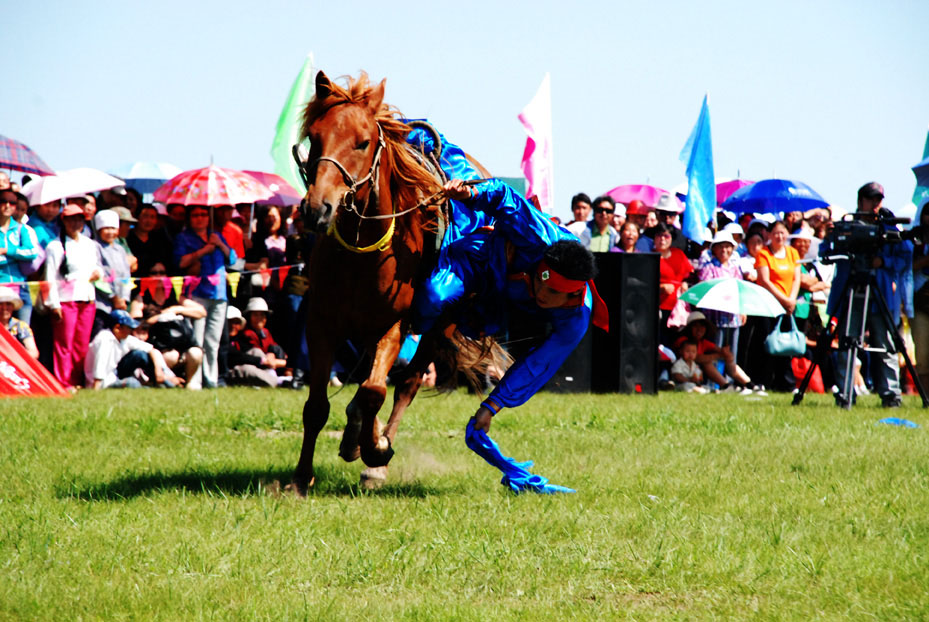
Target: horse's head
[345,143]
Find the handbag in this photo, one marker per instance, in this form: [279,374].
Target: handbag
[785,342]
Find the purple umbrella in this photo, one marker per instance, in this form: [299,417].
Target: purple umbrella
[725,189]
[641,192]
[18,157]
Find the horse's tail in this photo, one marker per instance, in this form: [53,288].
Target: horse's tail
[481,361]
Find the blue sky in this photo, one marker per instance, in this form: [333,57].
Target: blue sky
[831,93]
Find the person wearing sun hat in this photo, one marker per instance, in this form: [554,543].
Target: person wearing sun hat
[9,303]
[115,355]
[114,289]
[71,269]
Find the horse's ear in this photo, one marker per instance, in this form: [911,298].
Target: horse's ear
[323,86]
[376,97]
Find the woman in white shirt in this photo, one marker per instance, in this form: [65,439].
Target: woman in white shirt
[71,268]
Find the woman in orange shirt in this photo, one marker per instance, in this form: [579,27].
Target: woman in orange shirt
[778,268]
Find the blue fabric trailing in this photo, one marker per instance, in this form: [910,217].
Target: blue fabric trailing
[516,475]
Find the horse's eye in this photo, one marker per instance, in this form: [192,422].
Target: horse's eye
[363,145]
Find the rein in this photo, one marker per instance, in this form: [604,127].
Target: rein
[347,201]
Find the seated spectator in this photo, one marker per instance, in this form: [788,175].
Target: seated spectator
[599,235]
[170,330]
[628,238]
[685,372]
[708,353]
[10,302]
[115,356]
[113,290]
[153,289]
[71,268]
[247,365]
[256,335]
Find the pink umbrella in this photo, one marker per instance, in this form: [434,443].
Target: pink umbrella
[284,193]
[632,192]
[724,189]
[212,186]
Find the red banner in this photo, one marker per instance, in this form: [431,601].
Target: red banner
[22,375]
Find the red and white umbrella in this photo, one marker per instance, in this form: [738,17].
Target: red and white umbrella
[212,186]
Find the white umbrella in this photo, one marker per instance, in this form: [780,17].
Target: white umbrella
[74,182]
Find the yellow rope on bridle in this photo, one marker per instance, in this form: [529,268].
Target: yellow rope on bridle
[381,245]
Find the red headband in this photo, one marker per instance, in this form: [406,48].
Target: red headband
[601,316]
[556,281]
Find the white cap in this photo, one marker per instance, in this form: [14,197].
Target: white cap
[734,228]
[723,237]
[106,218]
[233,313]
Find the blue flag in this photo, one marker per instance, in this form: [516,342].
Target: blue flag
[701,182]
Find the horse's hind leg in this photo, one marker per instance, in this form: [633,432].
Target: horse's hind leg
[410,382]
[315,413]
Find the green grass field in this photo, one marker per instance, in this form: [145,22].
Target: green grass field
[163,505]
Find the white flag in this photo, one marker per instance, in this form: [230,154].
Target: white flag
[536,117]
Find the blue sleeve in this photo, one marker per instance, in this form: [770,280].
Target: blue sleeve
[520,222]
[181,247]
[24,249]
[529,374]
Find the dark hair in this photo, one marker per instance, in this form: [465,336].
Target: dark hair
[688,342]
[606,198]
[776,223]
[755,234]
[579,198]
[571,259]
[659,229]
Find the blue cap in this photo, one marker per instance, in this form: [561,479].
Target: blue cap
[120,316]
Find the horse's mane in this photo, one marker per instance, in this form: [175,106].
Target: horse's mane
[413,181]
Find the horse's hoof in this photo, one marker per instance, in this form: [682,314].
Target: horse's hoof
[375,458]
[299,487]
[373,478]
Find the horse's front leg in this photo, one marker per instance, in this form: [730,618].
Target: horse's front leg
[375,448]
[316,408]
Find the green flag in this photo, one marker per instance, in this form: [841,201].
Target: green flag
[922,192]
[288,125]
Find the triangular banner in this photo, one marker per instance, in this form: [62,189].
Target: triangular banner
[282,275]
[177,283]
[234,281]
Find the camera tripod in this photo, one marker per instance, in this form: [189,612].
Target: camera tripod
[849,324]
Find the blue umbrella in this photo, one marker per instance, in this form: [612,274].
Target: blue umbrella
[772,196]
[146,177]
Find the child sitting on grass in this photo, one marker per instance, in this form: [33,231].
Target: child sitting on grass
[708,353]
[686,372]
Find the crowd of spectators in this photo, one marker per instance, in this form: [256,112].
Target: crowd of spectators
[104,312]
[110,310]
[716,350]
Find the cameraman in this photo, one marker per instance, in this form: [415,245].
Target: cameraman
[890,266]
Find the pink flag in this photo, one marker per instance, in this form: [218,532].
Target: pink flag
[536,117]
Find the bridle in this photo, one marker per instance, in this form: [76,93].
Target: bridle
[347,201]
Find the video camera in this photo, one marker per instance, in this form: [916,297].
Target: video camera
[865,234]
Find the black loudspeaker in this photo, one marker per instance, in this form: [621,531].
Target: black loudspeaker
[626,359]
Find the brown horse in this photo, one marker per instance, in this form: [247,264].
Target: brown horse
[367,190]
